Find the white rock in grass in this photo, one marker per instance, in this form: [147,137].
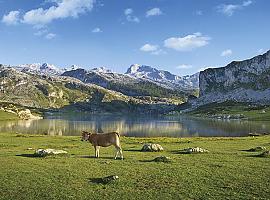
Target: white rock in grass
[47,152]
[162,159]
[195,150]
[152,147]
[265,154]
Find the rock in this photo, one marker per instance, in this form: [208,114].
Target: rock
[258,134]
[265,154]
[195,150]
[162,159]
[30,148]
[257,149]
[48,152]
[26,114]
[109,179]
[152,147]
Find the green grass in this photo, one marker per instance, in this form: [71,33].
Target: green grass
[7,116]
[251,112]
[226,172]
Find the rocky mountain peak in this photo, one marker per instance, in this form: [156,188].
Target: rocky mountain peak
[101,70]
[241,81]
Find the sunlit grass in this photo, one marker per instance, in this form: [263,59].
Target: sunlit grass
[225,172]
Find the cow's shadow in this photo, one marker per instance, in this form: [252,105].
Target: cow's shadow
[93,157]
[27,155]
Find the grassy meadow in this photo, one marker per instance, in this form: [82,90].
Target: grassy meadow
[7,116]
[226,172]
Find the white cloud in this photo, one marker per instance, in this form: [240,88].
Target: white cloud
[184,66]
[149,47]
[97,30]
[229,9]
[130,17]
[159,52]
[187,43]
[62,9]
[153,49]
[247,3]
[12,18]
[153,12]
[50,36]
[41,32]
[128,11]
[226,52]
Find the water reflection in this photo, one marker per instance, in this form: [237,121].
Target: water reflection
[134,126]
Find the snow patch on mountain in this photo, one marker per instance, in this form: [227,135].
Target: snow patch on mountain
[39,68]
[163,77]
[102,70]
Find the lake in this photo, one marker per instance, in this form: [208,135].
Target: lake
[137,126]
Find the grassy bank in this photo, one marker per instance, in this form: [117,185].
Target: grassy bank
[7,116]
[225,172]
[250,112]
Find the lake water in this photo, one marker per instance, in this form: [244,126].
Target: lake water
[138,126]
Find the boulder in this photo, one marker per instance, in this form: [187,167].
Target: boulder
[265,154]
[162,159]
[152,147]
[109,179]
[48,152]
[259,148]
[26,114]
[195,150]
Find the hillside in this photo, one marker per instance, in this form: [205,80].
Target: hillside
[239,81]
[128,85]
[61,92]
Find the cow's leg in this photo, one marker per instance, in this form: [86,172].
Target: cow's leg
[119,150]
[98,151]
[121,153]
[116,154]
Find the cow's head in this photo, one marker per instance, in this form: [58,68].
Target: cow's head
[85,135]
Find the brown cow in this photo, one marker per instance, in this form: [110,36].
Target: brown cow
[103,140]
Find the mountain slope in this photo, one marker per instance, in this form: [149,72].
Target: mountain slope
[239,81]
[38,68]
[164,78]
[126,84]
[47,91]
[60,92]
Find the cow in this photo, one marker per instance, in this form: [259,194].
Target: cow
[103,140]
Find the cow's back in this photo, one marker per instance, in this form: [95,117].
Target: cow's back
[107,139]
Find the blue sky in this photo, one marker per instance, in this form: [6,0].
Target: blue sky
[181,36]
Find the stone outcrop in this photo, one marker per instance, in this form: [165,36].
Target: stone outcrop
[195,150]
[239,81]
[259,148]
[162,159]
[48,152]
[152,147]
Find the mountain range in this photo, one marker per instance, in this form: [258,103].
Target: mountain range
[137,73]
[44,86]
[142,88]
